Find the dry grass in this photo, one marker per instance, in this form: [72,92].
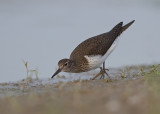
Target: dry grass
[138,96]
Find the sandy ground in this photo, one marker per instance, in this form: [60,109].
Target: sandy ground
[133,93]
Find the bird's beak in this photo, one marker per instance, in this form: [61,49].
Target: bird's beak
[58,71]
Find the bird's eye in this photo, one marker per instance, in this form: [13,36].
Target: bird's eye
[65,64]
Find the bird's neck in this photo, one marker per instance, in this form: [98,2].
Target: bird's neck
[74,66]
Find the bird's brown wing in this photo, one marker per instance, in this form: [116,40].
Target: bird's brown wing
[98,45]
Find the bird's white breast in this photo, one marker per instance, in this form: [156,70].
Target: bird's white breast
[95,61]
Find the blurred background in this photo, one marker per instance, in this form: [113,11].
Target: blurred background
[44,31]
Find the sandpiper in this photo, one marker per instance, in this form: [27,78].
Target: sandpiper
[92,53]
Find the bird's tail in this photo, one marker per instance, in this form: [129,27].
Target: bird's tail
[119,28]
[126,26]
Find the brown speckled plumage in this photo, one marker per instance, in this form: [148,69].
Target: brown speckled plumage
[97,45]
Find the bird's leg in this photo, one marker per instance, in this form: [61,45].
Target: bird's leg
[102,72]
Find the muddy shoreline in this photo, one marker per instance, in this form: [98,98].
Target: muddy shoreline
[132,90]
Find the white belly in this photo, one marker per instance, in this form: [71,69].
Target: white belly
[96,61]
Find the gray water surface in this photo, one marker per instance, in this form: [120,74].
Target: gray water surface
[42,32]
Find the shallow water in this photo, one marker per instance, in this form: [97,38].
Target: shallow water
[43,32]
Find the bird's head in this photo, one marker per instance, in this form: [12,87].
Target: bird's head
[64,66]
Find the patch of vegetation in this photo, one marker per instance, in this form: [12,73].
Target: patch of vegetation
[30,72]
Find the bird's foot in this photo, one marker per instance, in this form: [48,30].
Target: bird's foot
[102,73]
